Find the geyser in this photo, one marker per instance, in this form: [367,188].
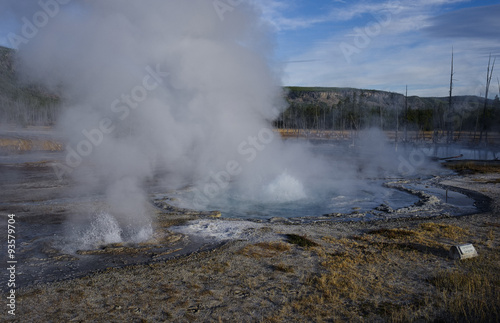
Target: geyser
[157,86]
[284,188]
[182,94]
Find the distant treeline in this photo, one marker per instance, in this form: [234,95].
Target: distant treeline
[23,104]
[26,112]
[355,109]
[316,108]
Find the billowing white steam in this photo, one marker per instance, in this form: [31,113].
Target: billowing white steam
[182,91]
[103,229]
[181,88]
[284,188]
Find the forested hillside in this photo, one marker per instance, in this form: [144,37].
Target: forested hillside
[354,109]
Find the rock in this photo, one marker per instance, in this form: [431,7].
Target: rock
[215,214]
[278,220]
[333,214]
[384,208]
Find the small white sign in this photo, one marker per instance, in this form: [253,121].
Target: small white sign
[464,251]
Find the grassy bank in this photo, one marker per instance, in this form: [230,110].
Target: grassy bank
[385,272]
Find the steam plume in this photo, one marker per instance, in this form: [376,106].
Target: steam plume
[181,89]
[157,84]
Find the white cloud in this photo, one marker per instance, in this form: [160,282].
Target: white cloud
[425,68]
[273,12]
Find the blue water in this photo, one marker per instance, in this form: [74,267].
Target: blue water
[367,196]
[372,166]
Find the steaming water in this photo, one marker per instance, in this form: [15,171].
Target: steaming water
[467,152]
[105,229]
[286,197]
[289,195]
[284,188]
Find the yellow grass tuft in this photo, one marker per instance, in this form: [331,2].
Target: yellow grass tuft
[470,292]
[444,230]
[264,249]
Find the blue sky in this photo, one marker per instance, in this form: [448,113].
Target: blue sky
[387,45]
[373,44]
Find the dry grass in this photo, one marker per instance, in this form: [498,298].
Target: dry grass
[22,145]
[385,274]
[300,241]
[444,230]
[470,292]
[283,268]
[487,181]
[264,249]
[393,233]
[473,168]
[382,275]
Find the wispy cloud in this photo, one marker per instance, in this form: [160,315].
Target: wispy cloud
[275,11]
[413,47]
[425,68]
[479,22]
[359,9]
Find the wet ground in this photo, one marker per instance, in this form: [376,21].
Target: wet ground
[48,248]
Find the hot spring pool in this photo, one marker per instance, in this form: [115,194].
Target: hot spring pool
[356,185]
[287,198]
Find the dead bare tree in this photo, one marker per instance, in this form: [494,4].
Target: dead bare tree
[406,116]
[448,120]
[489,75]
[397,126]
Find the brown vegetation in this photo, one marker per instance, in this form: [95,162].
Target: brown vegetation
[397,273]
[387,274]
[470,167]
[23,145]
